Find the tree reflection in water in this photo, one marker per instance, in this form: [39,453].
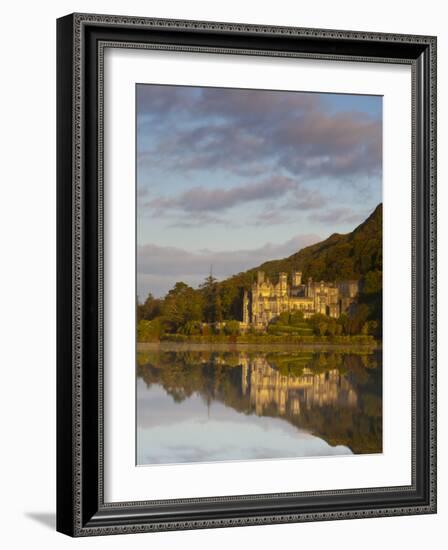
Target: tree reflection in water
[335,396]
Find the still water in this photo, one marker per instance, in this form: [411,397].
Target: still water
[199,403]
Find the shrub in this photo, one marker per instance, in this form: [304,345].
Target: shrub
[149,331]
[191,328]
[232,328]
[175,337]
[296,318]
[322,328]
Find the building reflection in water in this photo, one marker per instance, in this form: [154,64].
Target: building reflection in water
[335,396]
[267,388]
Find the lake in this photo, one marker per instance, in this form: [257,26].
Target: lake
[203,403]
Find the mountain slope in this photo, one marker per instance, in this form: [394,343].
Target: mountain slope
[356,255]
[349,256]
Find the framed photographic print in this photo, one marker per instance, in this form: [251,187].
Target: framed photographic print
[246,274]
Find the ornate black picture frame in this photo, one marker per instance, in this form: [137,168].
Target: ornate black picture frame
[81,509]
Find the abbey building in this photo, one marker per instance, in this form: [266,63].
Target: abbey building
[266,301]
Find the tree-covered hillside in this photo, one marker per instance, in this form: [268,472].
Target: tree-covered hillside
[349,256]
[356,255]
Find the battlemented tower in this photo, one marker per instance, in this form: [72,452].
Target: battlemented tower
[283,284]
[296,278]
[246,308]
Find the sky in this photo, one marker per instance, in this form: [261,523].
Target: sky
[229,178]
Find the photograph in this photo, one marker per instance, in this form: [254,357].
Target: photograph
[259,276]
[246,274]
[229,221]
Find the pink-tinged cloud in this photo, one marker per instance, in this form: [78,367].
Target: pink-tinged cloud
[203,199]
[160,267]
[239,130]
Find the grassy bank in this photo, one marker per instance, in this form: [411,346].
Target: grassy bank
[313,340]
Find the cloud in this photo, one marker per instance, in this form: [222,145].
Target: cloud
[342,144]
[306,199]
[160,267]
[296,204]
[184,220]
[339,215]
[203,199]
[254,131]
[271,215]
[155,102]
[204,202]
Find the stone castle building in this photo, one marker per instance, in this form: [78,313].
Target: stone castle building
[266,300]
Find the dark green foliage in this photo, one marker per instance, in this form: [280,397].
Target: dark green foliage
[372,296]
[339,257]
[232,328]
[150,309]
[149,331]
[291,323]
[181,304]
[294,318]
[191,328]
[212,300]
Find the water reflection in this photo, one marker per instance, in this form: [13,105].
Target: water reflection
[288,394]
[225,404]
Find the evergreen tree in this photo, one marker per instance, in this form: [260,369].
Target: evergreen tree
[213,309]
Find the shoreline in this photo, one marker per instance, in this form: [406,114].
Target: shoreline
[166,345]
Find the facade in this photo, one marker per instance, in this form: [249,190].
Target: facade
[266,300]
